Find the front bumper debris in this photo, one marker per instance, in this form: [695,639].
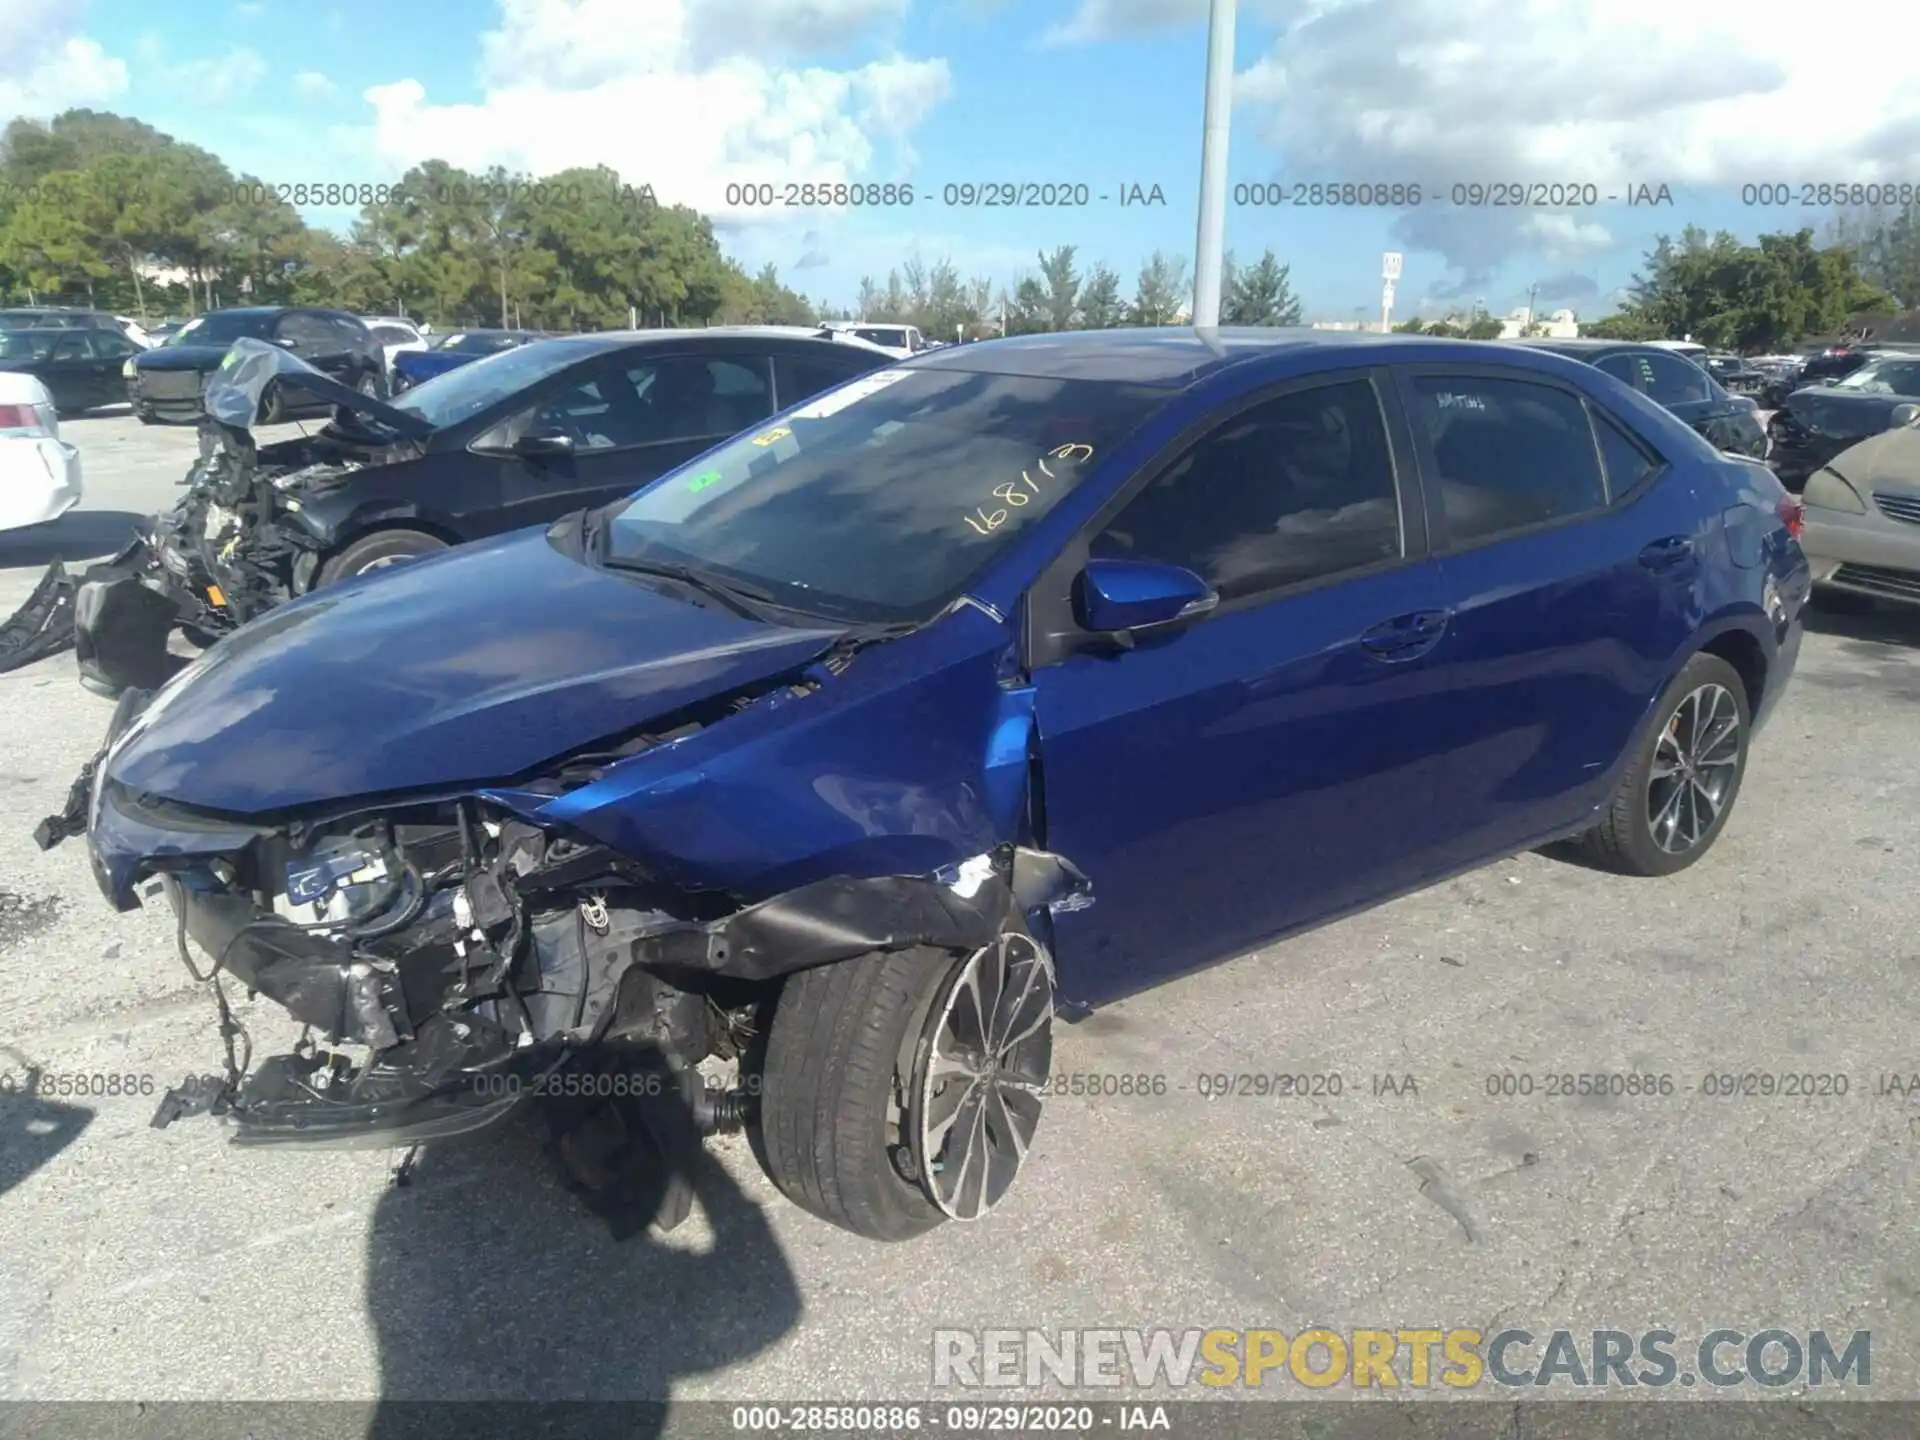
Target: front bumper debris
[44,625]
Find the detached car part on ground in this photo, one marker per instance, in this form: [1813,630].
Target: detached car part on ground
[795,765]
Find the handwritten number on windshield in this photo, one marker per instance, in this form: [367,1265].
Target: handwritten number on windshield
[1013,497]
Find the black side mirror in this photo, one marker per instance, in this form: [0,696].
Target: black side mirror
[543,443]
[1126,596]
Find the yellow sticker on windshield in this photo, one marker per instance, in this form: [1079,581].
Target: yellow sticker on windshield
[702,481]
[779,432]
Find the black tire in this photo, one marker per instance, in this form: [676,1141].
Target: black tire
[146,417]
[837,1037]
[382,547]
[372,385]
[273,408]
[1624,840]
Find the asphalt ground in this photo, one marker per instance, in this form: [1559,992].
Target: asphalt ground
[167,1265]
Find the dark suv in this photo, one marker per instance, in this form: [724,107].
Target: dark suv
[165,383]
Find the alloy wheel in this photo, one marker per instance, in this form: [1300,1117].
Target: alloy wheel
[1696,764]
[982,1074]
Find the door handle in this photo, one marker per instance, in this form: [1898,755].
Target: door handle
[1406,637]
[1667,554]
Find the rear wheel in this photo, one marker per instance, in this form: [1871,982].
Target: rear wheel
[376,552]
[1676,796]
[903,1088]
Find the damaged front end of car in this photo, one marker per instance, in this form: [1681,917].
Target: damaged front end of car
[228,550]
[611,926]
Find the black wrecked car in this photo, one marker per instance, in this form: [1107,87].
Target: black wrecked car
[1816,422]
[165,383]
[514,440]
[1727,422]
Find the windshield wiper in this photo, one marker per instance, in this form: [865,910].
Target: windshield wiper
[744,600]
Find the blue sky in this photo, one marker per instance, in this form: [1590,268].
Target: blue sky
[689,95]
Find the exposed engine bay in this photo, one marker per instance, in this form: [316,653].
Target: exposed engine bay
[450,961]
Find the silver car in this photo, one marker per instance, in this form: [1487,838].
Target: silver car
[1862,526]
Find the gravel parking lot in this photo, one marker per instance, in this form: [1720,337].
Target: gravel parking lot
[140,1263]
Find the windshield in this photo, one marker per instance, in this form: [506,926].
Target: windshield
[463,393]
[881,500]
[219,329]
[1884,377]
[882,335]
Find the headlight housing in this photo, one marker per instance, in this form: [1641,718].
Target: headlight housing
[1825,490]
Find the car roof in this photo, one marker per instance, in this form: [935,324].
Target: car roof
[1173,357]
[704,335]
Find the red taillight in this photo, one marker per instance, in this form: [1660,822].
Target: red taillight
[1793,514]
[20,417]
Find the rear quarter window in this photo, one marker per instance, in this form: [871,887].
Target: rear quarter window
[1504,455]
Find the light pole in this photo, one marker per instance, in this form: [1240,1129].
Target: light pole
[1389,273]
[1213,165]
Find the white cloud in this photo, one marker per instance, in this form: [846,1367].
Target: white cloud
[250,9]
[45,67]
[212,79]
[1614,92]
[687,96]
[312,85]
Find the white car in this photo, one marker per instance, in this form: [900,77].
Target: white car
[898,341]
[395,334]
[39,472]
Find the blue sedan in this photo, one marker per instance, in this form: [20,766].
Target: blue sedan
[991,685]
[450,352]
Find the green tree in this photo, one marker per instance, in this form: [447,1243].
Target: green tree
[1101,307]
[1260,295]
[1160,294]
[1483,327]
[1622,325]
[1062,284]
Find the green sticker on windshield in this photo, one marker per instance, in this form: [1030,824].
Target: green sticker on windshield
[702,481]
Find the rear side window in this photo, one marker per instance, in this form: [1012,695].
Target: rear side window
[1505,454]
[1294,489]
[799,376]
[1628,463]
[1673,381]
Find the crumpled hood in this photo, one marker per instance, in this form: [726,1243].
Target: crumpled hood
[1829,410]
[478,664]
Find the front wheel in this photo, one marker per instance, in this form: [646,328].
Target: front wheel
[1675,798]
[903,1088]
[377,551]
[273,406]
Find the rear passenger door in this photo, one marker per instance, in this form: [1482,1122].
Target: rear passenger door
[1569,572]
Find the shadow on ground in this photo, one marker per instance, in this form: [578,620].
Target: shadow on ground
[1878,622]
[32,1131]
[76,535]
[487,1279]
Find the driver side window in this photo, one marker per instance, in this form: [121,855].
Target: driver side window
[1294,489]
